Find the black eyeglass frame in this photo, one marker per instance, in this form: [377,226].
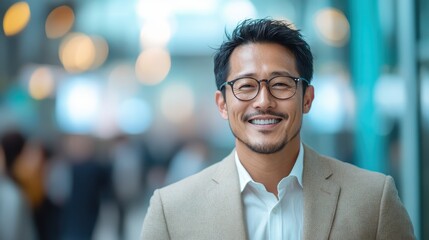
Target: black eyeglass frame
[267,81]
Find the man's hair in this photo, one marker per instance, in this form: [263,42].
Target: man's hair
[264,31]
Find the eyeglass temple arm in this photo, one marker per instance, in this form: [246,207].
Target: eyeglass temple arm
[303,79]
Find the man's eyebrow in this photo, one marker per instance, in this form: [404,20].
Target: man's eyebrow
[272,74]
[243,75]
[280,73]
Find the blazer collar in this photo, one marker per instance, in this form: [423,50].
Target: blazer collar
[320,196]
[226,201]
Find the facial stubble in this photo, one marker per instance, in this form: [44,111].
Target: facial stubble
[267,149]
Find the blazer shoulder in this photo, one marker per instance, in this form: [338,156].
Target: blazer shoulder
[331,168]
[350,178]
[195,185]
[367,205]
[373,196]
[358,183]
[345,170]
[194,181]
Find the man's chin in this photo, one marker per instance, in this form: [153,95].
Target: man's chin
[265,148]
[262,147]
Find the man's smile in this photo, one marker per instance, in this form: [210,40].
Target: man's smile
[268,121]
[264,118]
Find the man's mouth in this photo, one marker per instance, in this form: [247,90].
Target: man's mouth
[264,118]
[265,121]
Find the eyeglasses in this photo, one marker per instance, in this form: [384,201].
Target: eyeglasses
[280,87]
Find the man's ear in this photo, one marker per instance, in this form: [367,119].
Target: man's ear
[308,98]
[221,104]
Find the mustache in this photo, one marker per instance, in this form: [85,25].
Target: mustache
[246,117]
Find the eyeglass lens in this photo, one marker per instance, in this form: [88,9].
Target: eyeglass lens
[280,87]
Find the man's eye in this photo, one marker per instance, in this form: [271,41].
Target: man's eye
[246,86]
[281,86]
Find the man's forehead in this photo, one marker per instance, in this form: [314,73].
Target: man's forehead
[269,59]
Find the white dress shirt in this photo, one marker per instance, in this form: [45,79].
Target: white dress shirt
[268,217]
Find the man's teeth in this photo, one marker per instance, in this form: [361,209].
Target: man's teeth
[264,121]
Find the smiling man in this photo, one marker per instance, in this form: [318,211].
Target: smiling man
[273,186]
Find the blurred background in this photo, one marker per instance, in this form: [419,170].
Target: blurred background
[103,101]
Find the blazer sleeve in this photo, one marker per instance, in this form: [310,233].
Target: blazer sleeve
[154,224]
[393,222]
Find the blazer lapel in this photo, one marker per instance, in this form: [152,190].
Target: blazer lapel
[225,198]
[320,196]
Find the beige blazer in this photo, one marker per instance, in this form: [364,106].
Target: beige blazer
[341,201]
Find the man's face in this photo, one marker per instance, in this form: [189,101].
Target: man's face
[265,124]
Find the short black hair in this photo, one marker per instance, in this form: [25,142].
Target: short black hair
[264,31]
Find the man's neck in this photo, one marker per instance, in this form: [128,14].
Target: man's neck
[269,169]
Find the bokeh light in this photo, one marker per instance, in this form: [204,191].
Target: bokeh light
[390,95]
[328,111]
[122,80]
[177,103]
[134,116]
[238,10]
[79,52]
[155,34]
[163,9]
[16,18]
[78,105]
[106,127]
[194,7]
[332,26]
[153,65]
[59,22]
[41,84]
[153,9]
[101,51]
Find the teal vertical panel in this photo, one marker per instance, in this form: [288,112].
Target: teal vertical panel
[366,54]
[411,127]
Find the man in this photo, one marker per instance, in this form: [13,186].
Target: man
[272,186]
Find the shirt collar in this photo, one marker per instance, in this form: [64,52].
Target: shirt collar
[244,176]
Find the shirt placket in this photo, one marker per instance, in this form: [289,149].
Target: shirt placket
[274,210]
[275,222]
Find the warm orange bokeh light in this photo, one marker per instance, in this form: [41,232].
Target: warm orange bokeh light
[77,52]
[333,26]
[16,18]
[59,22]
[41,84]
[153,65]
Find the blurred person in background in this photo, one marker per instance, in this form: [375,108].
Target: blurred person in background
[128,168]
[36,171]
[191,158]
[16,222]
[89,178]
[272,185]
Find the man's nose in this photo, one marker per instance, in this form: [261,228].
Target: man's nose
[264,99]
